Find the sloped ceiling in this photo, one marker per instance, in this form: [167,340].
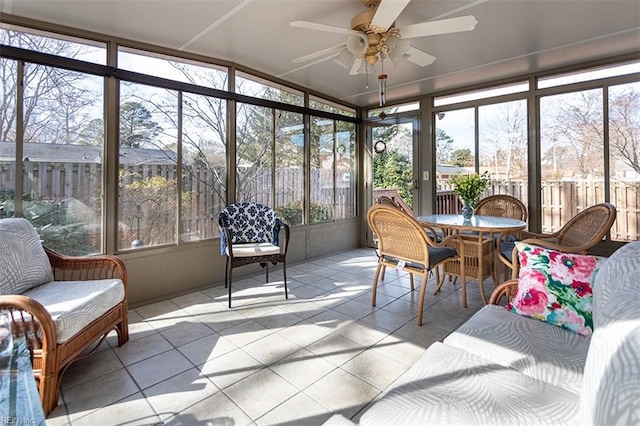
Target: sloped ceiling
[512,37]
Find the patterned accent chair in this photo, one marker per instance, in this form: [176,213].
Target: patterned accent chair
[63,306]
[250,234]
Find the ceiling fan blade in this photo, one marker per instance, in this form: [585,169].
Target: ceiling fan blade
[320,27]
[356,66]
[419,57]
[442,26]
[387,12]
[328,52]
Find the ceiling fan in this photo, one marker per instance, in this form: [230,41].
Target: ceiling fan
[373,35]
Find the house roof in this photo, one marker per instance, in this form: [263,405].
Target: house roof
[54,153]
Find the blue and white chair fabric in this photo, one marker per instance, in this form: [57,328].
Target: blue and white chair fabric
[251,234]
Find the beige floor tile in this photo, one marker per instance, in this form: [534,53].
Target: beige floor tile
[221,320]
[332,320]
[363,333]
[271,348]
[302,368]
[215,410]
[97,365]
[146,347]
[261,392]
[278,319]
[375,368]
[227,369]
[207,348]
[304,333]
[153,370]
[424,335]
[355,309]
[186,330]
[245,333]
[163,309]
[180,392]
[191,299]
[88,397]
[300,410]
[341,392]
[400,349]
[133,410]
[387,320]
[336,349]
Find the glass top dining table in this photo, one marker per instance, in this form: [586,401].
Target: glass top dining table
[479,244]
[489,224]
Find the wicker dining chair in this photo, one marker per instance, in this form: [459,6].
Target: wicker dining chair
[502,205]
[403,243]
[581,233]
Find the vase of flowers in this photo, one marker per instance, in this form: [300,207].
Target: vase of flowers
[469,187]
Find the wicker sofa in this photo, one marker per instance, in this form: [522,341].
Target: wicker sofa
[63,306]
[504,368]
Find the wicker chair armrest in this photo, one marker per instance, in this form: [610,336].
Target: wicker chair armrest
[41,333]
[456,241]
[82,268]
[583,249]
[507,289]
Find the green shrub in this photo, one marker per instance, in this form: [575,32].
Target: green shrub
[292,213]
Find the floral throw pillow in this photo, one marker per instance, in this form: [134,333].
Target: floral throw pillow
[556,287]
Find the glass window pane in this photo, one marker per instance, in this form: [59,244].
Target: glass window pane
[345,170]
[393,165]
[393,109]
[254,158]
[289,184]
[572,155]
[455,152]
[481,94]
[250,85]
[324,105]
[8,94]
[204,174]
[172,68]
[624,143]
[54,44]
[588,75]
[322,170]
[503,147]
[147,207]
[62,154]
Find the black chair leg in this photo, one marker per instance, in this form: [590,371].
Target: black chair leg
[284,273]
[226,273]
[267,268]
[230,278]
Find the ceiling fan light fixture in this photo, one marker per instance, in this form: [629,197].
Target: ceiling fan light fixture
[344,58]
[357,44]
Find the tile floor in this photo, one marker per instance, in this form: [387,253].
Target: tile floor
[192,361]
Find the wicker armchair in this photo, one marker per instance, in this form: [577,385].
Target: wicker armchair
[502,205]
[250,234]
[87,294]
[579,235]
[404,243]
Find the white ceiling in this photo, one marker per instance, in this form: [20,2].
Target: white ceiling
[513,37]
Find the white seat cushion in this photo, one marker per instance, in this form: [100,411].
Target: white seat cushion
[537,349]
[75,304]
[254,249]
[451,386]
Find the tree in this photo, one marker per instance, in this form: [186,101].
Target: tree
[444,147]
[624,124]
[137,127]
[57,102]
[393,170]
[462,158]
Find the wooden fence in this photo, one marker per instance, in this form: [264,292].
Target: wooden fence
[204,196]
[561,200]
